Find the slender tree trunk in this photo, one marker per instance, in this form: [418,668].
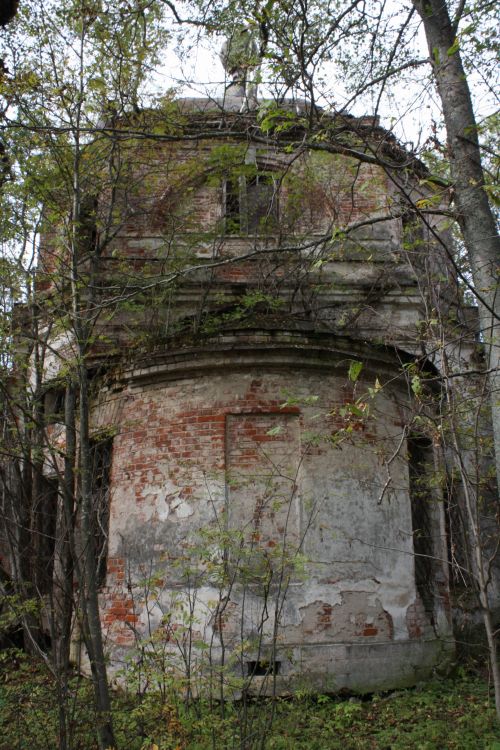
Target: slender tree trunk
[36,531]
[64,572]
[82,328]
[473,534]
[92,616]
[92,630]
[479,232]
[475,217]
[31,495]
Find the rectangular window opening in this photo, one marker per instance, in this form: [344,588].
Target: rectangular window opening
[45,521]
[261,203]
[232,212]
[53,405]
[100,455]
[251,205]
[262,668]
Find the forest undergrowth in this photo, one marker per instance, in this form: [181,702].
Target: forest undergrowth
[455,712]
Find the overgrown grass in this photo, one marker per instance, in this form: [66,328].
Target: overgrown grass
[449,713]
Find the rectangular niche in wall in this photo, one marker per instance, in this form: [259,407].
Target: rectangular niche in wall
[262,461]
[100,457]
[423,516]
[44,524]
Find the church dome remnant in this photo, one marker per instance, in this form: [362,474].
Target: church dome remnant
[239,54]
[262,488]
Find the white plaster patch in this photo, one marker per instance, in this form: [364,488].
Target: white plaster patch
[57,355]
[149,500]
[162,508]
[182,509]
[400,628]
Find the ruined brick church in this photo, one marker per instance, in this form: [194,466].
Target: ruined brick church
[262,463]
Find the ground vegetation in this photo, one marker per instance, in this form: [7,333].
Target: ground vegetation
[76,72]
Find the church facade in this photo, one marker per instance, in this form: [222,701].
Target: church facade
[264,462]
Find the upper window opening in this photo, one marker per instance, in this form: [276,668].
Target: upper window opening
[233,208]
[53,405]
[251,205]
[261,203]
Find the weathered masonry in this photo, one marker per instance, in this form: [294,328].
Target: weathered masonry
[262,485]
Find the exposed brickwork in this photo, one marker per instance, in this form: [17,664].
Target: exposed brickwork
[119,618]
[416,619]
[355,618]
[116,570]
[184,449]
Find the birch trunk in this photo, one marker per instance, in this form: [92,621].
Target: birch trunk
[475,217]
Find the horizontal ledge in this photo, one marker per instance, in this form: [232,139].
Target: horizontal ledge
[268,350]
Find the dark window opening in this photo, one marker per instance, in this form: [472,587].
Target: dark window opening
[53,405]
[421,468]
[101,454]
[455,543]
[251,205]
[261,204]
[45,522]
[233,207]
[262,668]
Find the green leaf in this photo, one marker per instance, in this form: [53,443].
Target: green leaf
[356,411]
[354,370]
[275,431]
[200,644]
[416,385]
[96,84]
